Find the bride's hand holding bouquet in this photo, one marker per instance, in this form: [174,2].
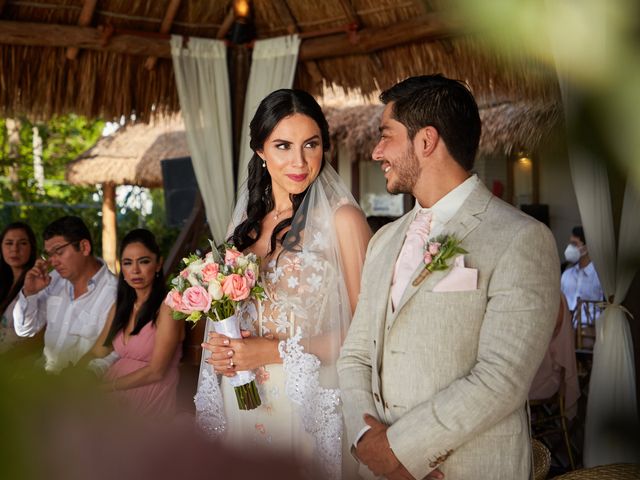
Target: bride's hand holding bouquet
[213,288]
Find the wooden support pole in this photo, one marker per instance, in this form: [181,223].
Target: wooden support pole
[426,28]
[109,225]
[84,21]
[226,25]
[165,27]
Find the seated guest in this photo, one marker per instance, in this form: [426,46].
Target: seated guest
[139,346]
[559,365]
[72,302]
[17,255]
[580,280]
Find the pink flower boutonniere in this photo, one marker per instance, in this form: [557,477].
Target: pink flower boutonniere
[437,254]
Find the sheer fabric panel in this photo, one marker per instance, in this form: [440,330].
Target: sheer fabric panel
[200,70]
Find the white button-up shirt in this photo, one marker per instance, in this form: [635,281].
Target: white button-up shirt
[444,209]
[72,325]
[581,283]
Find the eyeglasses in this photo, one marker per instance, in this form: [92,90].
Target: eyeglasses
[56,251]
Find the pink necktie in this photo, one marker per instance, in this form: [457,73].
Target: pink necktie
[411,255]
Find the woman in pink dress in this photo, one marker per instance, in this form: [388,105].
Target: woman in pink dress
[139,347]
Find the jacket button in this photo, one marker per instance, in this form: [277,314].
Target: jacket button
[386,405]
[376,396]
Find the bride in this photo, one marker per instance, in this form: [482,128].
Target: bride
[299,218]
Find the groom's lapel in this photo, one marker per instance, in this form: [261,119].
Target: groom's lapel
[384,265]
[462,224]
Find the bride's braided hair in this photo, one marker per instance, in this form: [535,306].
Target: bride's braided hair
[276,106]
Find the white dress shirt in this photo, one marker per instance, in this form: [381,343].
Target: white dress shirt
[581,283]
[72,325]
[442,211]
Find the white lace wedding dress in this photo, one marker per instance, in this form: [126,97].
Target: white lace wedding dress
[307,307]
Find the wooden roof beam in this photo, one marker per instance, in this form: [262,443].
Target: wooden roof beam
[165,27]
[53,35]
[284,12]
[428,28]
[84,20]
[226,24]
[350,13]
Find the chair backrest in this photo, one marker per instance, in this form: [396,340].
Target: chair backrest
[541,460]
[584,322]
[616,471]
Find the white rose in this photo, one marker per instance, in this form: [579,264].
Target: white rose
[195,267]
[242,262]
[215,290]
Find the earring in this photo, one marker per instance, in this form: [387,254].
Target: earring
[264,164]
[157,274]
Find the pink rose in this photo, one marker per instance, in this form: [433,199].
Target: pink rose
[427,258]
[235,286]
[174,302]
[196,299]
[210,272]
[230,257]
[434,248]
[250,276]
[184,273]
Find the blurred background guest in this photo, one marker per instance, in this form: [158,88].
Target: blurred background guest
[580,280]
[17,256]
[139,348]
[71,302]
[558,369]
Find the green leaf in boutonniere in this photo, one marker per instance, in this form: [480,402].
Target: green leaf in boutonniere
[437,254]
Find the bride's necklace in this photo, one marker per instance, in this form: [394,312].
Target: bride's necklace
[277,213]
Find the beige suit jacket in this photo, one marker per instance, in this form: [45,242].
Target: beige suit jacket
[449,372]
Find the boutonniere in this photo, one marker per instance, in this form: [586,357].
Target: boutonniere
[437,254]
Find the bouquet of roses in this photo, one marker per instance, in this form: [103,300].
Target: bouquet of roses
[212,287]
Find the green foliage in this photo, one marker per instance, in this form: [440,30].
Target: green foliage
[63,140]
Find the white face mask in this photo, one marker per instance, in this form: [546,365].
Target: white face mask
[572,253]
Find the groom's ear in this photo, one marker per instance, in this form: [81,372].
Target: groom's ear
[425,141]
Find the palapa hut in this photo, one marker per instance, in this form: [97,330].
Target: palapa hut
[130,156]
[113,58]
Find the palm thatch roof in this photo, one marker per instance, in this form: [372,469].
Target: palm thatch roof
[131,155]
[123,64]
[506,127]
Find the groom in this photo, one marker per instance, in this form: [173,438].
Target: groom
[447,335]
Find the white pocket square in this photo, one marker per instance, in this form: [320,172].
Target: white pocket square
[459,279]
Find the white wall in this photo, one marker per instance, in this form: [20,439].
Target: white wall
[556,189]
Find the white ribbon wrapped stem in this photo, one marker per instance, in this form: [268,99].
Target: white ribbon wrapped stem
[230,327]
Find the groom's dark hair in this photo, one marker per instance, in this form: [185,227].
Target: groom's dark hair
[442,103]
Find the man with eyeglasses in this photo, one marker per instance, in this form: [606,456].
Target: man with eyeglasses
[72,301]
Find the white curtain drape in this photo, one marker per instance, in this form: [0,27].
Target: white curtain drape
[273,66]
[612,390]
[200,70]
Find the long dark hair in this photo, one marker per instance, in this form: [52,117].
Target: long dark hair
[127,295]
[276,106]
[8,290]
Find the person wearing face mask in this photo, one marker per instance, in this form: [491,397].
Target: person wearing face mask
[580,280]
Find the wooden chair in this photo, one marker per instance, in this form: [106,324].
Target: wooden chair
[584,322]
[616,471]
[548,418]
[541,460]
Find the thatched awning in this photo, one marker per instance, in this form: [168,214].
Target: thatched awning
[131,155]
[505,127]
[124,63]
